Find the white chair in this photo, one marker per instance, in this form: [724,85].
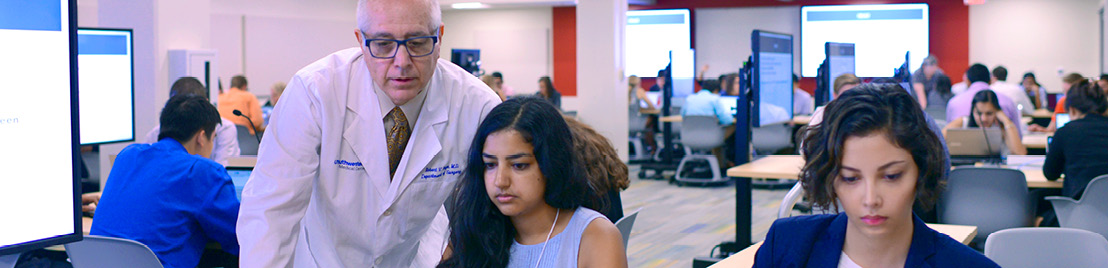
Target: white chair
[1047,247]
[624,225]
[793,196]
[769,139]
[101,251]
[700,134]
[990,198]
[1090,213]
[636,124]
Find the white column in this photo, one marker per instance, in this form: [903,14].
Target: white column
[601,85]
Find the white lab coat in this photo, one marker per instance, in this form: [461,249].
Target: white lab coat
[320,195]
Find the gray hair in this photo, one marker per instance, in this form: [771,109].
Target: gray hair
[931,60]
[432,7]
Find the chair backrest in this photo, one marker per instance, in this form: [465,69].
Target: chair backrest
[990,198]
[248,143]
[701,132]
[1047,247]
[635,122]
[771,138]
[100,251]
[786,208]
[624,225]
[1091,212]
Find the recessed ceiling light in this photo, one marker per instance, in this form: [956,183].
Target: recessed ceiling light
[468,5]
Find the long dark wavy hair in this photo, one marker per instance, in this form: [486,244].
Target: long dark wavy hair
[867,109]
[480,235]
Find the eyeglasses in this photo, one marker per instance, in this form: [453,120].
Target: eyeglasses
[416,46]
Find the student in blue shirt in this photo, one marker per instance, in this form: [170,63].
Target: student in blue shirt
[875,158]
[169,195]
[706,102]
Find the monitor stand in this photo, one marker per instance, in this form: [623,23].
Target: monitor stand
[8,261]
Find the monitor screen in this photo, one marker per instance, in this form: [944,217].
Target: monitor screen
[840,60]
[650,36]
[1061,120]
[105,72]
[772,77]
[882,34]
[39,190]
[684,71]
[239,176]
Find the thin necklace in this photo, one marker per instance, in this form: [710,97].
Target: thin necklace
[548,237]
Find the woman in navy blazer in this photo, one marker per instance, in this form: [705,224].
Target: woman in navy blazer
[874,155]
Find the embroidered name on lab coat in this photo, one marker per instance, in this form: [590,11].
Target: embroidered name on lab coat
[348,165]
[435,173]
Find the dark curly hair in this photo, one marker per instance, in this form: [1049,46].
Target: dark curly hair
[868,109]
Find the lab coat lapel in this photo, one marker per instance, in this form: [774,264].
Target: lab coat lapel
[424,144]
[365,132]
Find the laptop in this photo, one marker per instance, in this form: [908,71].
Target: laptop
[972,145]
[239,176]
[1061,120]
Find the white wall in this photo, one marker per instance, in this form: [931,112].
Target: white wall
[515,42]
[268,42]
[1044,37]
[723,35]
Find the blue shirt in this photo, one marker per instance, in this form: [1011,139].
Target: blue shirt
[707,103]
[817,241]
[171,201]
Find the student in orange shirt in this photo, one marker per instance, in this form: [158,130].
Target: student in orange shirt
[238,98]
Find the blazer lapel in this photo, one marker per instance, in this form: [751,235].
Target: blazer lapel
[923,244]
[827,249]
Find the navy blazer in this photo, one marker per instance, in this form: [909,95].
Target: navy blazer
[817,241]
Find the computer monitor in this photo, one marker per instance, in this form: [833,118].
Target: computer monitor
[771,78]
[839,61]
[468,59]
[39,142]
[239,176]
[105,71]
[882,33]
[650,35]
[1061,120]
[683,76]
[974,142]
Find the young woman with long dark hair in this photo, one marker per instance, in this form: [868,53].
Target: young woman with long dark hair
[522,200]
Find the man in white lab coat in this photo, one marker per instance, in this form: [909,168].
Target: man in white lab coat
[365,148]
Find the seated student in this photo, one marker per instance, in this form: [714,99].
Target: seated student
[1068,82]
[875,158]
[521,177]
[706,102]
[986,114]
[1080,148]
[1034,91]
[549,93]
[802,101]
[1012,91]
[605,171]
[226,143]
[169,195]
[842,83]
[979,77]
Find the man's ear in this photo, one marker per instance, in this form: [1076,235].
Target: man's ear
[442,30]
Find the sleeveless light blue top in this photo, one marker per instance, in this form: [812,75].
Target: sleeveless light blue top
[561,250]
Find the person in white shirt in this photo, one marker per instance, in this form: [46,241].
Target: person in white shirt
[364,150]
[1013,91]
[802,101]
[226,143]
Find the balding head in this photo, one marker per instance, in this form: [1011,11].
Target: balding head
[427,9]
